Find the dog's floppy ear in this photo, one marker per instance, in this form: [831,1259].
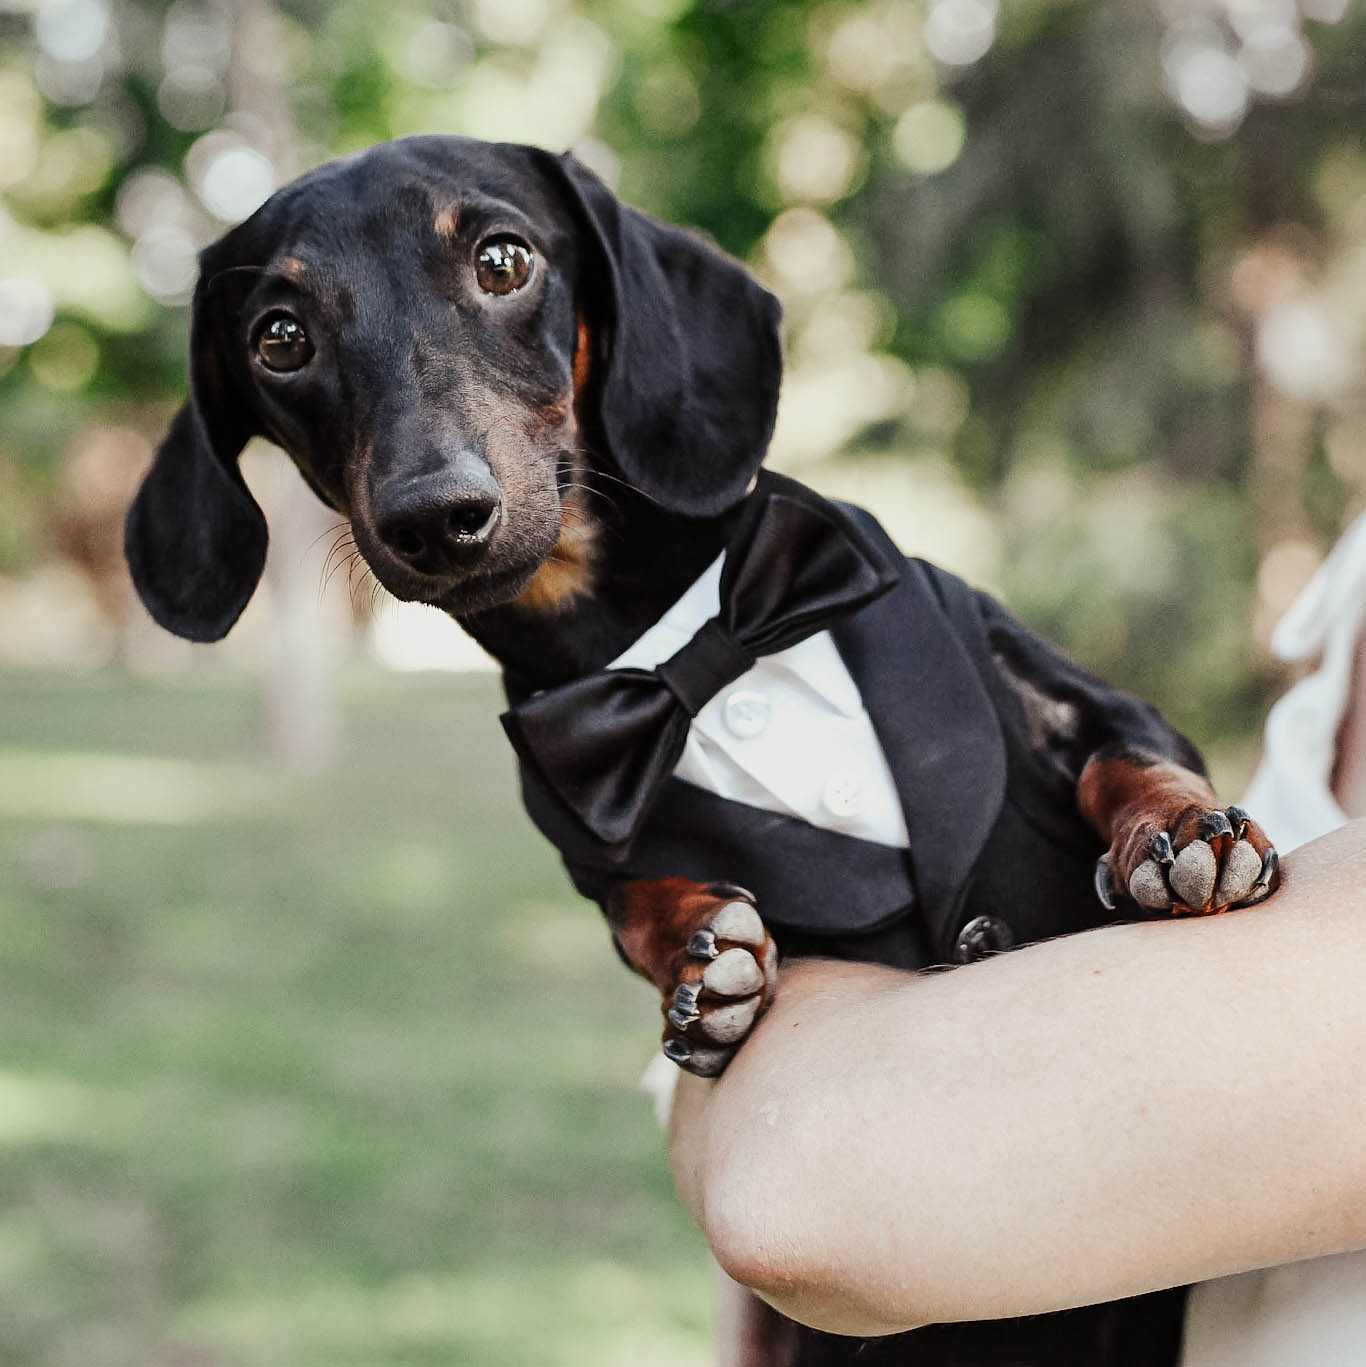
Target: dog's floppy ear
[195,538]
[694,355]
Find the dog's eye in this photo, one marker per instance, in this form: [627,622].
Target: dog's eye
[282,343]
[503,265]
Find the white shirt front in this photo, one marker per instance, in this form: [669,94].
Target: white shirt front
[791,735]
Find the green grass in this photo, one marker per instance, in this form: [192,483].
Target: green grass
[301,1070]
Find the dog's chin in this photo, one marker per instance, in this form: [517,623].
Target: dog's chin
[480,592]
[459,595]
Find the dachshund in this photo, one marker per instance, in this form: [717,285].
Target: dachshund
[544,413]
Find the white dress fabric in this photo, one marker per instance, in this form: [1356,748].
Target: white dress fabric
[1308,1314]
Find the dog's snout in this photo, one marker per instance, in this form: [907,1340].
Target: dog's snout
[442,522]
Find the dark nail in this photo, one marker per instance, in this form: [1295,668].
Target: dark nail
[702,945]
[1215,824]
[678,1051]
[1270,861]
[1160,848]
[683,1011]
[1105,884]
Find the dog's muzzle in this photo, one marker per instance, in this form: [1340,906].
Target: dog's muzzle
[440,524]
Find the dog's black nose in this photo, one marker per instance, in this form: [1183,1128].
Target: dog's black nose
[440,522]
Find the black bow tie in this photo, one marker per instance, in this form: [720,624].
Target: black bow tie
[607,742]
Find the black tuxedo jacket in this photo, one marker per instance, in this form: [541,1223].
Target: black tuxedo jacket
[998,856]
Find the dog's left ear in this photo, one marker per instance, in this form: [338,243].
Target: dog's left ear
[195,539]
[693,355]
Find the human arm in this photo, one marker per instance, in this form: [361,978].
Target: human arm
[1137,1107]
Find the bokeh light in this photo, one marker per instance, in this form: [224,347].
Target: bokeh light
[231,178]
[26,310]
[72,30]
[929,136]
[960,32]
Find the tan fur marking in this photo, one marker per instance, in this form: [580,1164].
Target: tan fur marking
[568,570]
[292,269]
[582,359]
[447,222]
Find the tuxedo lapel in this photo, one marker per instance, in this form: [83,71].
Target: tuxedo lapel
[936,723]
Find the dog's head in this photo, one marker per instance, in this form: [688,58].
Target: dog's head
[436,330]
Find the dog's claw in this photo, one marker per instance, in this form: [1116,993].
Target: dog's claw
[702,944]
[698,1060]
[732,892]
[1213,825]
[1270,862]
[1239,819]
[1160,849]
[683,1012]
[1105,883]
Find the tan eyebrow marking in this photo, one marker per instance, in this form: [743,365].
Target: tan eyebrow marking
[447,222]
[292,269]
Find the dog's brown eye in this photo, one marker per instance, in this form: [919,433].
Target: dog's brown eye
[503,265]
[282,344]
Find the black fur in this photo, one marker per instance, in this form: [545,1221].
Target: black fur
[195,538]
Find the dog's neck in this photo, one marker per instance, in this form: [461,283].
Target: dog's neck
[641,560]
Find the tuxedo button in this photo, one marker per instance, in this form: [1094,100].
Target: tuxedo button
[981,936]
[842,796]
[746,713]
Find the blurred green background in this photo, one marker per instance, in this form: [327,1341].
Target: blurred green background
[308,1054]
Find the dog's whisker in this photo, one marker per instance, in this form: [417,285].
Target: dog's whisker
[357,584]
[341,528]
[328,570]
[342,540]
[344,558]
[574,487]
[377,598]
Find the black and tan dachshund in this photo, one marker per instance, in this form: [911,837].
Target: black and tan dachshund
[544,413]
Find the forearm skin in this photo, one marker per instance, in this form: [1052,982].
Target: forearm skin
[1132,1108]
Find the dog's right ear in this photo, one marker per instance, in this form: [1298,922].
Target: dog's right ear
[195,538]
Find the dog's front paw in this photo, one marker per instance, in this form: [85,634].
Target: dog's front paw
[706,949]
[725,978]
[1195,863]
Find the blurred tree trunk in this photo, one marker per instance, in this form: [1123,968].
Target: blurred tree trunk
[298,691]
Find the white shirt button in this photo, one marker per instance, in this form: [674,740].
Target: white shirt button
[842,796]
[746,713]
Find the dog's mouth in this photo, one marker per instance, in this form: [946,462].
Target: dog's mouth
[496,578]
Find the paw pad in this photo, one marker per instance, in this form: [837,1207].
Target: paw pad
[730,968]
